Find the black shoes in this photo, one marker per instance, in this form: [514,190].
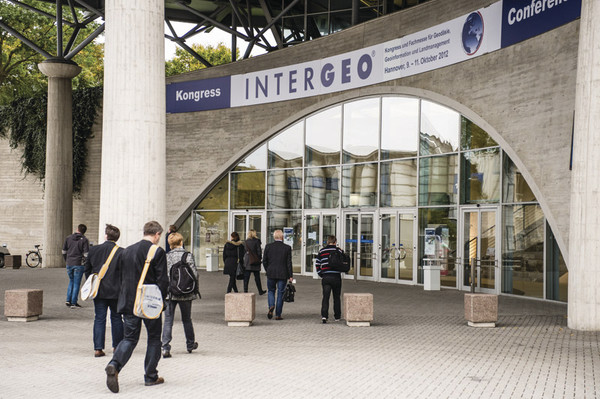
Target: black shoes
[112,378]
[68,304]
[270,314]
[159,380]
[75,306]
[194,346]
[262,292]
[324,320]
[166,353]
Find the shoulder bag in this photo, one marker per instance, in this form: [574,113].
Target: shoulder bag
[148,298]
[91,285]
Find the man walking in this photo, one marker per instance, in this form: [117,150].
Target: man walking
[74,252]
[130,264]
[331,279]
[108,291]
[277,261]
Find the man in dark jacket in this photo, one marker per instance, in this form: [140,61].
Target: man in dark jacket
[332,280]
[130,264]
[74,252]
[108,291]
[277,261]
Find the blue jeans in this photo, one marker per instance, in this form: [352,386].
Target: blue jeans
[101,307]
[74,273]
[280,285]
[133,327]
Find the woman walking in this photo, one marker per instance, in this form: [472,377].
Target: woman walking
[252,261]
[233,255]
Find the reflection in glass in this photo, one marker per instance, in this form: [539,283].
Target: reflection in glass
[480,176]
[282,220]
[286,149]
[361,130]
[473,137]
[398,186]
[515,188]
[388,246]
[239,225]
[557,275]
[359,185]
[248,190]
[322,188]
[217,196]
[323,137]
[312,241]
[523,250]
[405,254]
[367,249]
[439,129]
[210,231]
[437,180]
[285,189]
[255,161]
[442,221]
[399,127]
[185,230]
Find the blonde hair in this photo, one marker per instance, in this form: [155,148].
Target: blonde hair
[251,234]
[278,234]
[175,240]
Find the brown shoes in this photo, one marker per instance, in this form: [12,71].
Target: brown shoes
[159,380]
[278,318]
[112,378]
[99,353]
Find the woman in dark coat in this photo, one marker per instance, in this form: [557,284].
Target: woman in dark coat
[233,254]
[252,261]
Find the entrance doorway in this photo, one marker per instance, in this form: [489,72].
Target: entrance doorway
[244,221]
[318,226]
[480,243]
[398,246]
[360,244]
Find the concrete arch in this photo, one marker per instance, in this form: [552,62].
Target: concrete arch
[369,92]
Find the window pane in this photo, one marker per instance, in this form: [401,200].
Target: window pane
[248,190]
[322,188]
[359,185]
[210,232]
[186,231]
[399,127]
[515,188]
[557,275]
[217,196]
[442,221]
[437,180]
[523,250]
[323,135]
[361,130]
[439,129]
[285,149]
[255,161]
[473,137]
[283,221]
[480,176]
[285,189]
[398,183]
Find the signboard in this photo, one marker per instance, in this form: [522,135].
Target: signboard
[429,241]
[288,236]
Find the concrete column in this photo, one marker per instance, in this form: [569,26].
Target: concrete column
[58,192]
[133,177]
[584,239]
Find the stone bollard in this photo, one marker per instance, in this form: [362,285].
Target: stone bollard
[23,304]
[358,309]
[481,310]
[13,261]
[240,309]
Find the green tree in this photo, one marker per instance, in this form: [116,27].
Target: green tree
[184,62]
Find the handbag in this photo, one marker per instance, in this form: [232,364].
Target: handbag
[239,273]
[92,283]
[148,298]
[253,259]
[289,293]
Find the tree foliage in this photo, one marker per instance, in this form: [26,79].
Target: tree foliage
[184,62]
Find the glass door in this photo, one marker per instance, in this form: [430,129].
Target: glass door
[398,246]
[360,245]
[480,246]
[318,226]
[242,222]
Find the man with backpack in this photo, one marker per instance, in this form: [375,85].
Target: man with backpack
[183,288]
[331,262]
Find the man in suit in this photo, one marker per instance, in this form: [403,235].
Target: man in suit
[108,291]
[131,263]
[277,261]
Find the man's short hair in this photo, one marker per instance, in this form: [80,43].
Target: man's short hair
[82,228]
[175,240]
[112,232]
[152,227]
[331,240]
[173,228]
[278,234]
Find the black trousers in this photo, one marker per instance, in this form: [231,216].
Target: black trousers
[232,283]
[331,282]
[256,273]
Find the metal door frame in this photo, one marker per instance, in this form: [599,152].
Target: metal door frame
[397,213]
[375,214]
[247,213]
[319,213]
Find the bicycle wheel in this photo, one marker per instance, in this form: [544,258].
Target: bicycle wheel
[32,259]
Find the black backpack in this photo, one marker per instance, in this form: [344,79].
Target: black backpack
[182,280]
[338,261]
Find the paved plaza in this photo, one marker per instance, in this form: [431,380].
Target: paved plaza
[419,346]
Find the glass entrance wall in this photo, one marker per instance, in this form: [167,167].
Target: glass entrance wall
[370,162]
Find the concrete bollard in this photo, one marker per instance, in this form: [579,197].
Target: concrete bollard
[481,310]
[240,309]
[23,304]
[358,309]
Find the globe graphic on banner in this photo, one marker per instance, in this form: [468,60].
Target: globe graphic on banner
[472,33]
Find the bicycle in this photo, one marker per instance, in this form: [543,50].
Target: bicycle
[34,257]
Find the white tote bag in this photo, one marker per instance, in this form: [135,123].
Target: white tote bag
[91,285]
[148,298]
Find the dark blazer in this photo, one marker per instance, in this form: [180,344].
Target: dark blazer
[131,263]
[110,285]
[277,261]
[253,244]
[233,252]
